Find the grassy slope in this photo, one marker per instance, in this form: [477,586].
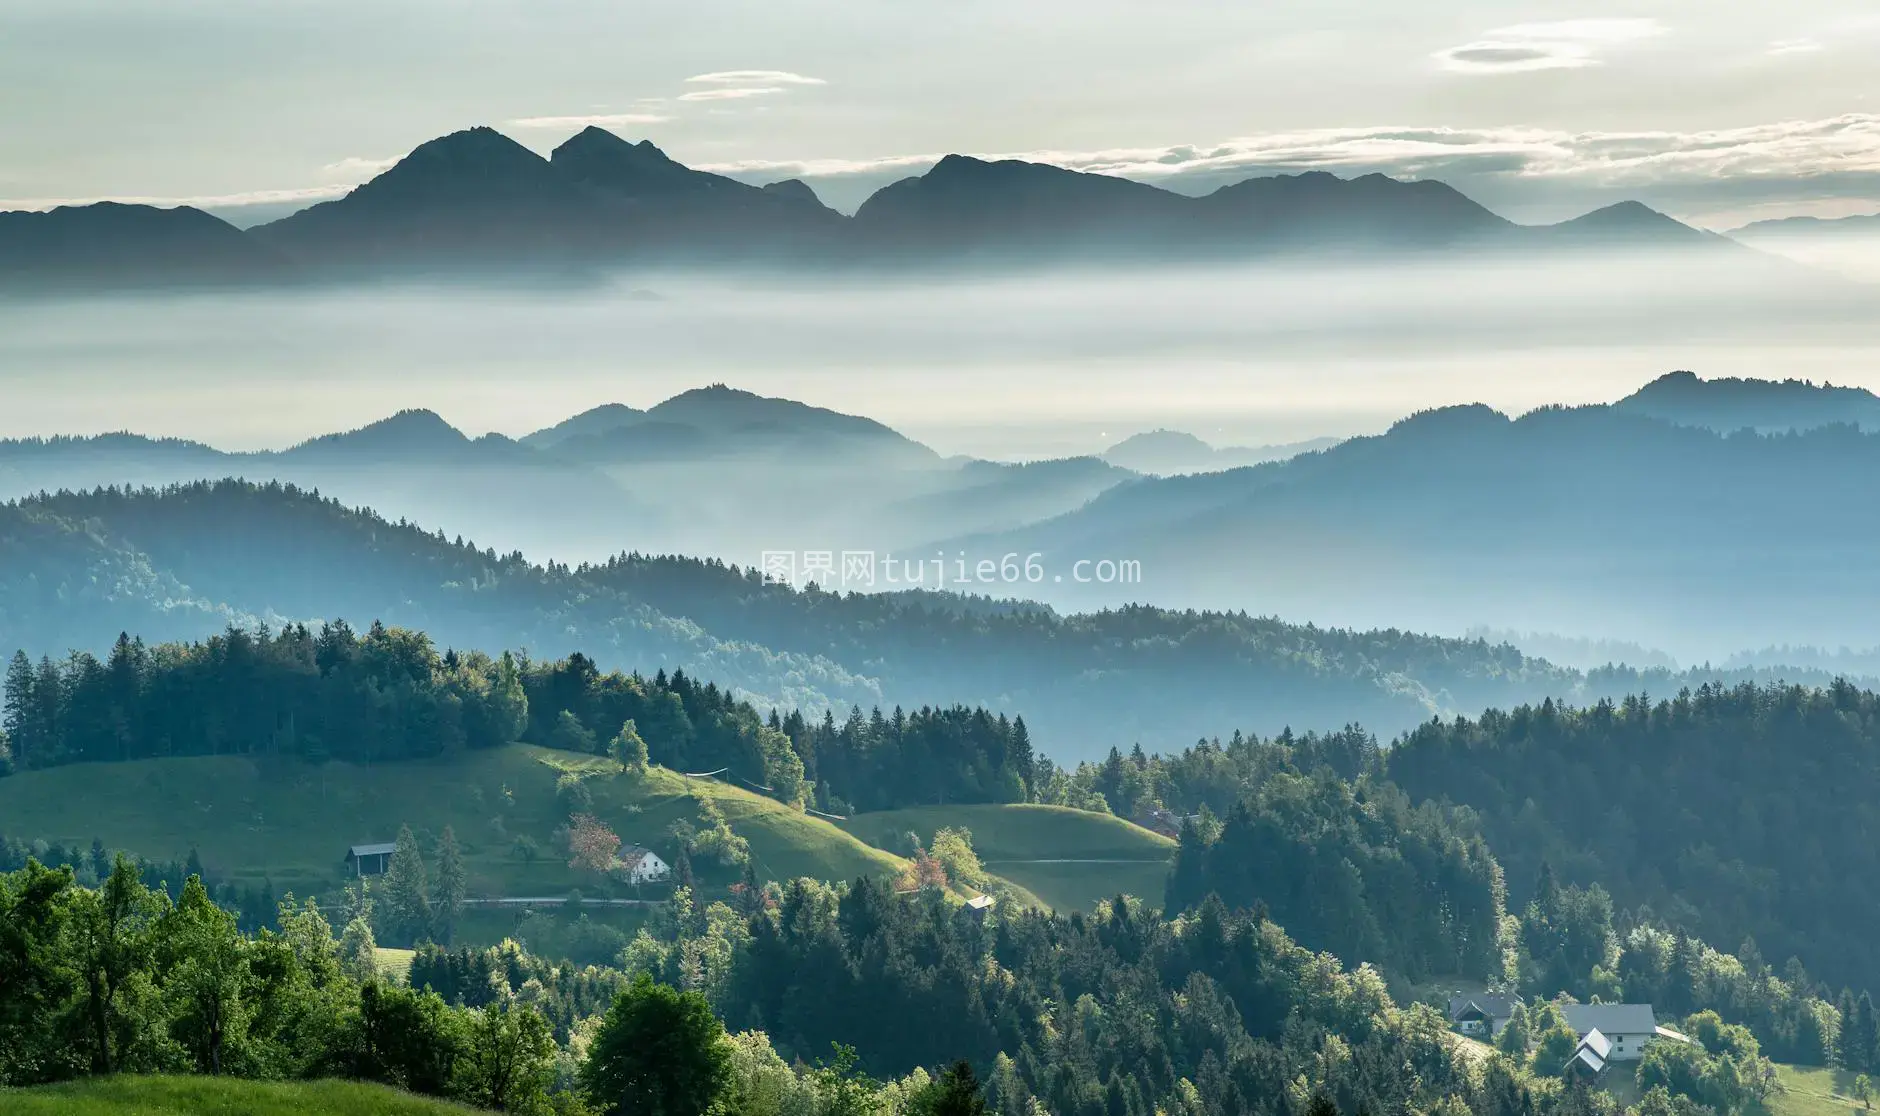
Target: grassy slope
[1813,1091]
[217,1096]
[1016,841]
[292,822]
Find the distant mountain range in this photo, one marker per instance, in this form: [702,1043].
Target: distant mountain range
[710,471]
[1640,521]
[77,569]
[1599,522]
[1170,452]
[476,200]
[1808,227]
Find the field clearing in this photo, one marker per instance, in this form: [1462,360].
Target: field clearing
[1814,1091]
[290,823]
[1070,859]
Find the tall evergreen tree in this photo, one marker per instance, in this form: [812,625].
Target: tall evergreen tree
[18,710]
[451,887]
[406,897]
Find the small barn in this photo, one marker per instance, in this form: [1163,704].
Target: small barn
[979,906]
[370,860]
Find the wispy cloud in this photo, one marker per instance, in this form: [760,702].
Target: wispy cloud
[1848,144]
[1797,157]
[731,93]
[354,167]
[1566,44]
[753,77]
[1490,56]
[595,120]
[1795,46]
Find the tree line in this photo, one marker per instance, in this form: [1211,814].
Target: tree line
[120,978]
[1735,813]
[332,693]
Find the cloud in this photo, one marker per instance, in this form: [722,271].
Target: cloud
[602,120]
[753,77]
[1795,46]
[355,168]
[1567,44]
[1837,156]
[1794,159]
[1492,57]
[732,93]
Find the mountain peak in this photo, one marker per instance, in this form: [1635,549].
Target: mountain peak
[603,419]
[1161,440]
[794,190]
[1634,221]
[600,160]
[1729,403]
[410,431]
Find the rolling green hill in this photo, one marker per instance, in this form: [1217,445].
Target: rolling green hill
[292,822]
[1070,859]
[223,1096]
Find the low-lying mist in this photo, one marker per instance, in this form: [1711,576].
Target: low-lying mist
[1018,366]
[1458,524]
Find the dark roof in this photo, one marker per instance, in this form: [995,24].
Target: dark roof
[1613,1019]
[385,849]
[1492,1005]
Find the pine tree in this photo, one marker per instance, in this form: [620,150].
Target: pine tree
[450,887]
[17,712]
[406,897]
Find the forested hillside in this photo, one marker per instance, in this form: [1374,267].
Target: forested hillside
[1586,521]
[186,562]
[1736,813]
[388,694]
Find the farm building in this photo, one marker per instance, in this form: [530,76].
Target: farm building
[1627,1028]
[1590,1058]
[370,860]
[639,866]
[1483,1014]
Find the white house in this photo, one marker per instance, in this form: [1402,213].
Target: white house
[1627,1028]
[638,866]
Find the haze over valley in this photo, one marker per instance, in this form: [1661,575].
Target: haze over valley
[1046,559]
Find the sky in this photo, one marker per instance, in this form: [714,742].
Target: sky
[1717,111]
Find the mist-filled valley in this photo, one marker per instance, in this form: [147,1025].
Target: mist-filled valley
[1057,559]
[1140,417]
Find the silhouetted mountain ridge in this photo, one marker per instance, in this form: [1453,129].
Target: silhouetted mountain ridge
[475,201]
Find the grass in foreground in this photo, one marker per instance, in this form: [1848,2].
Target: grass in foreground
[217,1096]
[1070,859]
[292,822]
